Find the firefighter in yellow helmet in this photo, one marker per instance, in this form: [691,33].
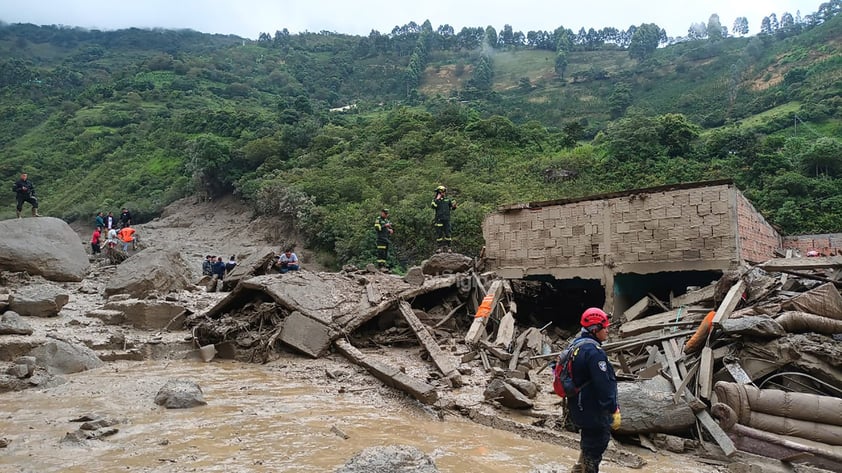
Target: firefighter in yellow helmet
[443,205]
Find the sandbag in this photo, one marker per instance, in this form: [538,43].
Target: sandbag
[822,300]
[802,415]
[799,322]
[810,407]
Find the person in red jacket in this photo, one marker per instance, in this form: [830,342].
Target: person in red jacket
[95,239]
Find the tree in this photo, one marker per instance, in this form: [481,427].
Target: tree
[740,26]
[714,27]
[697,31]
[645,41]
[560,63]
[766,26]
[677,133]
[620,99]
[491,36]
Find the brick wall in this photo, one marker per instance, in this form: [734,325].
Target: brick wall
[758,240]
[638,227]
[828,244]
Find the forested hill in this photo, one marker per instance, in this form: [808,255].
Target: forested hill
[327,128]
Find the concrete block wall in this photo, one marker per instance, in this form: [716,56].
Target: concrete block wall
[828,244]
[635,231]
[758,240]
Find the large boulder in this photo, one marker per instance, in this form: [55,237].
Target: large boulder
[148,271]
[180,394]
[38,300]
[44,246]
[390,459]
[60,357]
[447,263]
[145,314]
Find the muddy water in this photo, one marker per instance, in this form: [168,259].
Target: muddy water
[256,420]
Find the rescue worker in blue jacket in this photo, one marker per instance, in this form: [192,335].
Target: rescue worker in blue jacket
[594,409]
[383,229]
[443,205]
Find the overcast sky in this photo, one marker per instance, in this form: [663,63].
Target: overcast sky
[248,18]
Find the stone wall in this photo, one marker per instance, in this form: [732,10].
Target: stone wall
[758,240]
[828,244]
[683,227]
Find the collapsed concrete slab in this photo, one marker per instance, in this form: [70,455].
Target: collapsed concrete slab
[306,334]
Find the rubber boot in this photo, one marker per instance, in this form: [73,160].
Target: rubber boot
[19,214]
[35,212]
[590,465]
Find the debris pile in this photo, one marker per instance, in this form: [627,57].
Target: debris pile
[765,332]
[681,360]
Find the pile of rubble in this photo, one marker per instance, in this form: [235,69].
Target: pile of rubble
[714,350]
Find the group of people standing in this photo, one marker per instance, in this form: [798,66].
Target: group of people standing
[113,231]
[442,204]
[216,268]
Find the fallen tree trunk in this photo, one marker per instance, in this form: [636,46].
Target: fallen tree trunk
[648,406]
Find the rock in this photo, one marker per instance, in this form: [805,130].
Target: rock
[390,459]
[180,394]
[371,268]
[44,246]
[4,301]
[98,424]
[306,334]
[148,271]
[447,263]
[11,323]
[414,276]
[39,300]
[148,314]
[528,388]
[506,394]
[4,442]
[64,358]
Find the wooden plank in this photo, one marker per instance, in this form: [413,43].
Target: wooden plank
[673,370]
[793,264]
[647,340]
[732,298]
[506,331]
[658,321]
[446,363]
[694,297]
[706,373]
[477,329]
[637,309]
[684,383]
[388,374]
[715,431]
[521,339]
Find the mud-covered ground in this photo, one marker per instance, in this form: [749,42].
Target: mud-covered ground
[291,414]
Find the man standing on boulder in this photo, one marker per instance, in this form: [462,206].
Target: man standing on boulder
[443,205]
[25,191]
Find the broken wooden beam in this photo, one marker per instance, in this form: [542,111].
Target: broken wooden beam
[505,331]
[388,374]
[694,297]
[705,382]
[659,321]
[637,309]
[719,436]
[487,307]
[729,303]
[446,363]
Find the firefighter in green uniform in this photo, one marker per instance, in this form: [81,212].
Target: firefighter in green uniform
[383,228]
[443,205]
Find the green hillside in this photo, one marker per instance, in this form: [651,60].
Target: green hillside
[139,118]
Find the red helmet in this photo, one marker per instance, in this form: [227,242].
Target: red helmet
[594,316]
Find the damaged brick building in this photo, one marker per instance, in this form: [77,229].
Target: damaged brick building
[609,250]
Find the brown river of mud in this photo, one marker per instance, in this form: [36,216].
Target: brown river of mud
[256,420]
